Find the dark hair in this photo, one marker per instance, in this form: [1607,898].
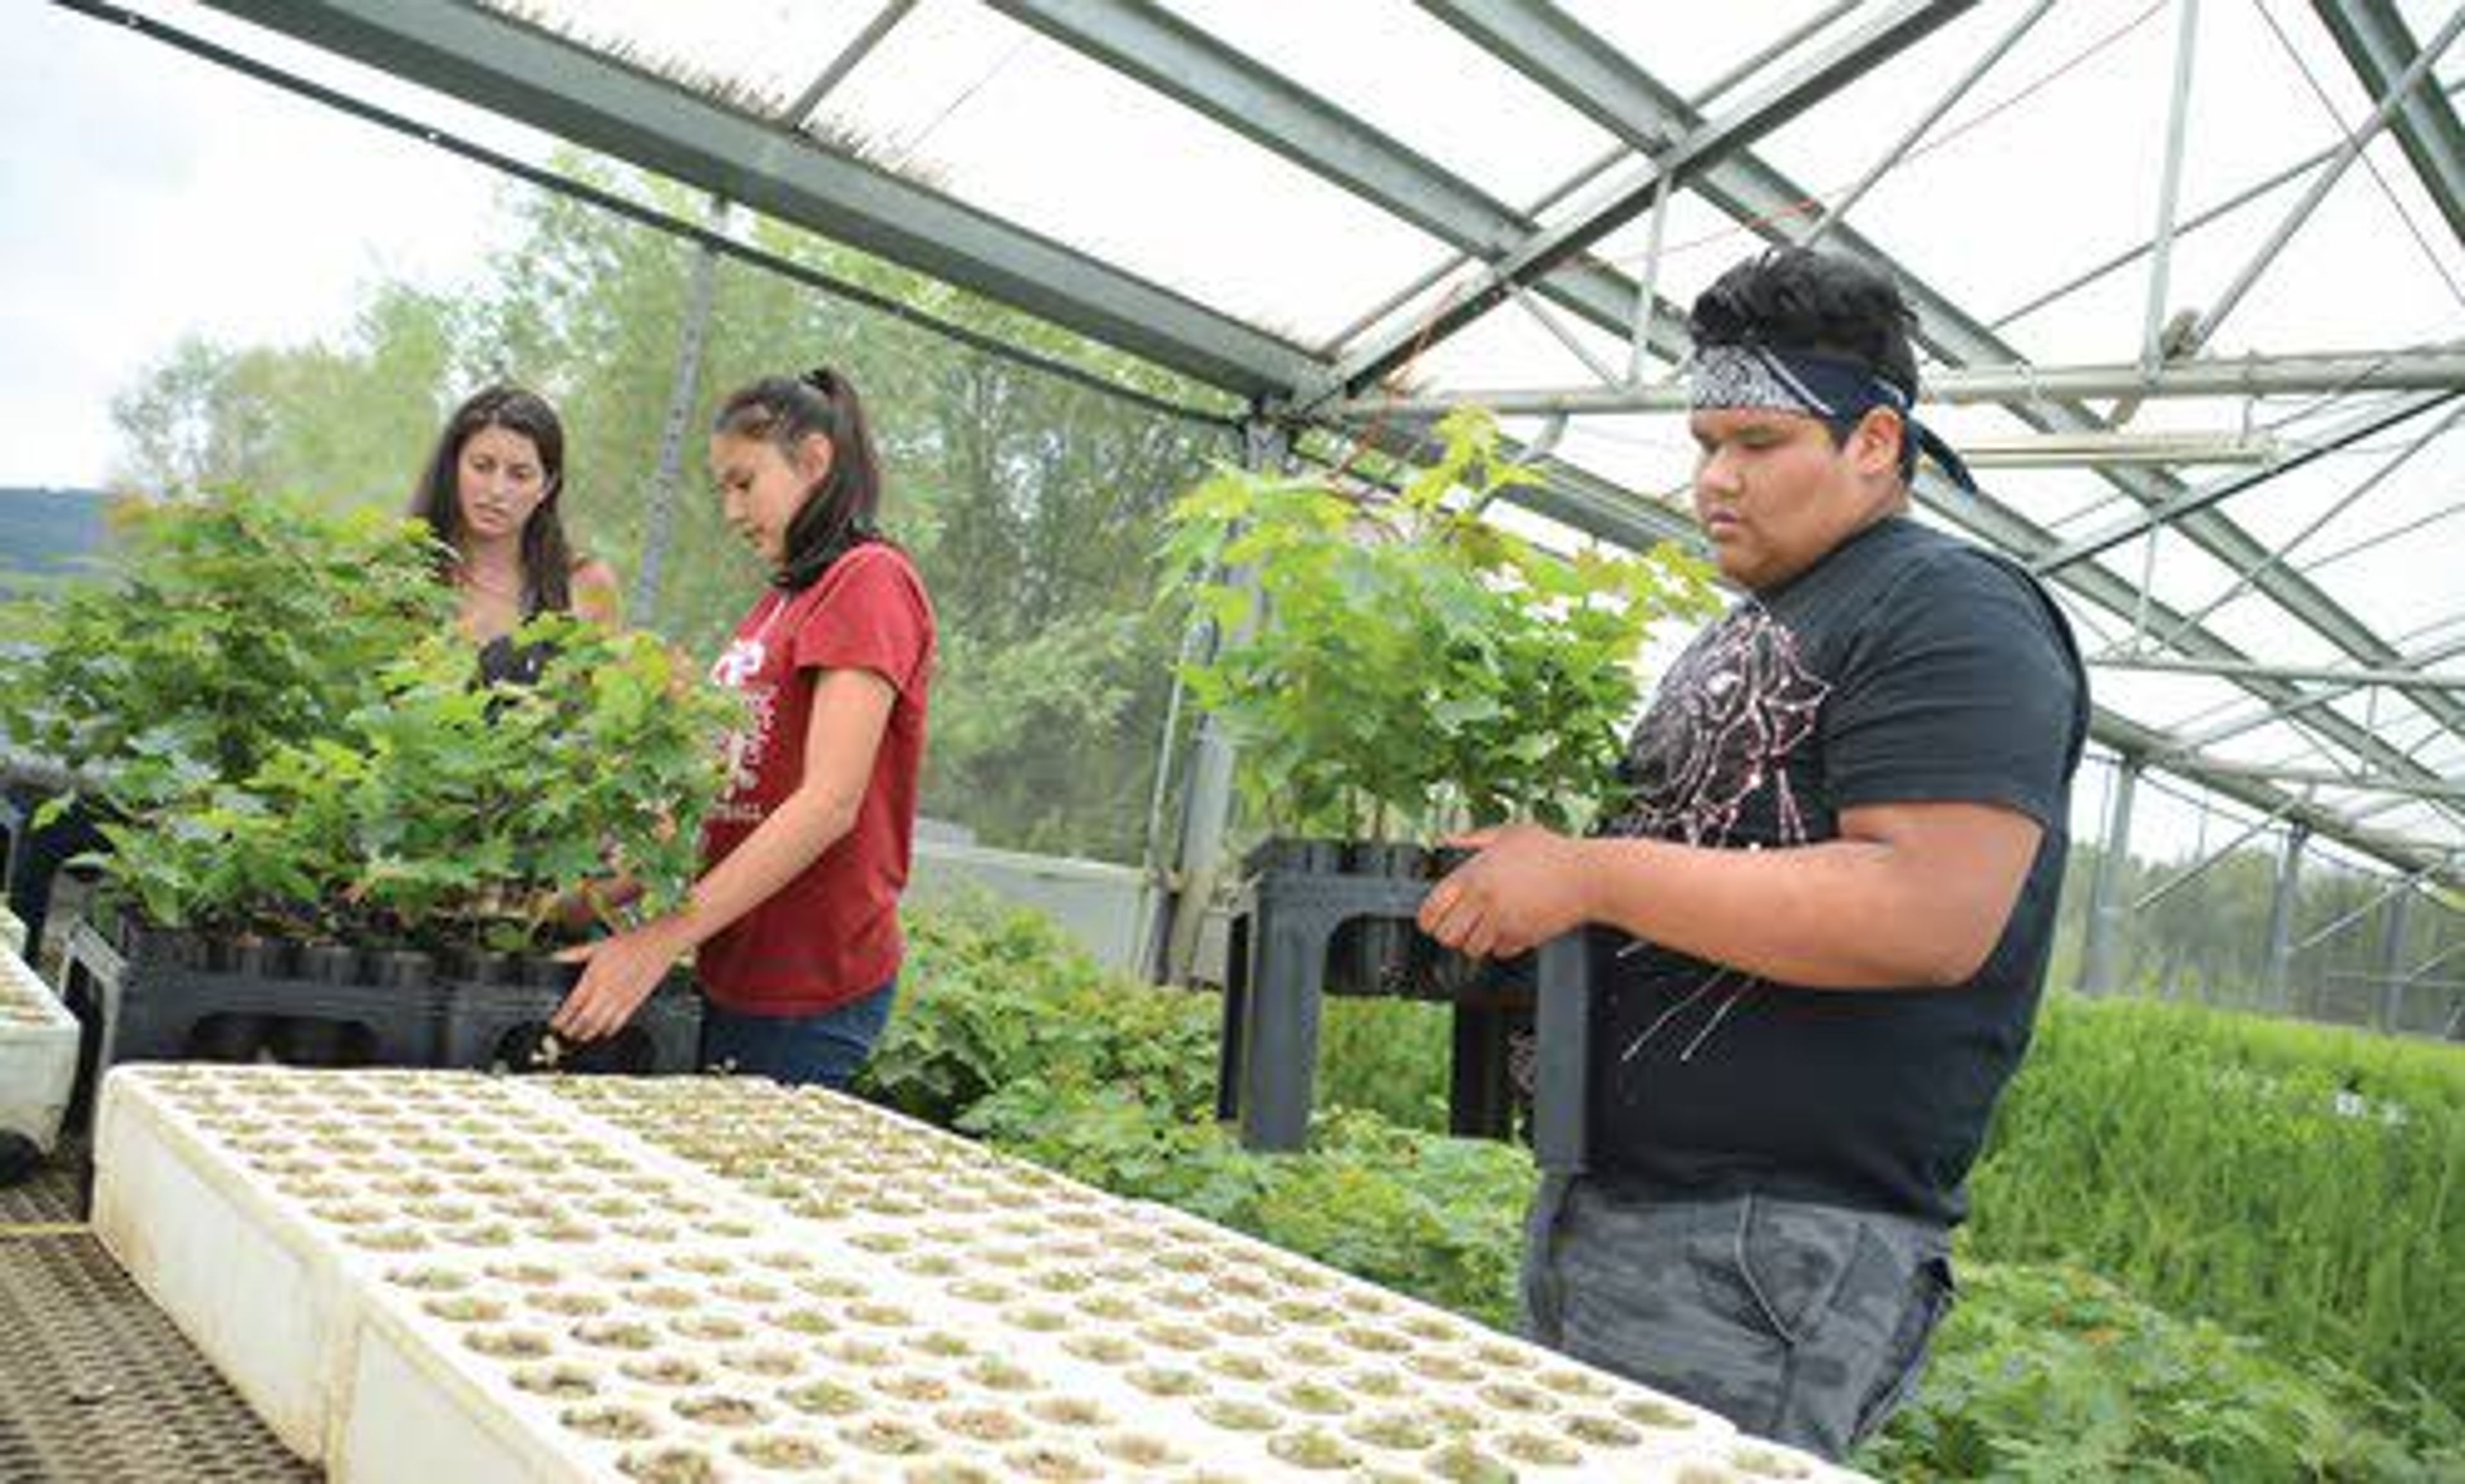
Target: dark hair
[547,558]
[839,511]
[1797,298]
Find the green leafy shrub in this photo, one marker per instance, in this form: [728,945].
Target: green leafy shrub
[2296,1182]
[1413,662]
[229,625]
[1422,1213]
[2049,1373]
[1005,997]
[1387,1056]
[284,735]
[443,813]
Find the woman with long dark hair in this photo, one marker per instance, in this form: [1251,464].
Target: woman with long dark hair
[490,493]
[795,920]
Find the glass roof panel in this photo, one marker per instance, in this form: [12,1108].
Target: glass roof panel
[1647,454]
[2416,820]
[1454,123]
[761,53]
[2080,96]
[1010,123]
[1513,348]
[2303,300]
[1691,58]
[2168,702]
[2345,494]
[2396,587]
[2076,98]
[1698,243]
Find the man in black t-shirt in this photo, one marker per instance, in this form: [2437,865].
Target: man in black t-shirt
[1837,868]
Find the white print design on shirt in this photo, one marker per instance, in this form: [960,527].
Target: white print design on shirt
[742,662]
[1728,714]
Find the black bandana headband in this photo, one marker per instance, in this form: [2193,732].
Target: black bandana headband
[1740,377]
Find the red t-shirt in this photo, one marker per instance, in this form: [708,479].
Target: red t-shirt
[831,933]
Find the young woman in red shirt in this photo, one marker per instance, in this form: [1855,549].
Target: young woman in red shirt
[795,920]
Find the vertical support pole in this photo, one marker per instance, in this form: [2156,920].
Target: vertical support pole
[1561,1028]
[2099,973]
[1287,987]
[659,505]
[1207,807]
[2147,586]
[2161,255]
[1155,892]
[1647,293]
[2280,921]
[2392,955]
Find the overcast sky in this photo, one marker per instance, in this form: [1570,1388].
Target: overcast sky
[149,195]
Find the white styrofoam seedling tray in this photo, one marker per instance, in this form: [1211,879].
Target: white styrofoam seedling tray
[38,1054]
[252,1203]
[243,1279]
[360,1254]
[1746,1460]
[1213,1334]
[724,1366]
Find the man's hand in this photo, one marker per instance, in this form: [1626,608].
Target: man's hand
[1527,885]
[618,974]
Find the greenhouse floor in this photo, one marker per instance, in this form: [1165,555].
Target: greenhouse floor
[96,1385]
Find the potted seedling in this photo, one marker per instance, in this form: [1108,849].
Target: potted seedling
[1391,669]
[293,755]
[1406,665]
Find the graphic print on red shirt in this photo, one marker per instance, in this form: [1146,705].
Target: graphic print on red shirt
[831,933]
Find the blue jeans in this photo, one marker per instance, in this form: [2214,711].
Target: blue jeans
[824,1050]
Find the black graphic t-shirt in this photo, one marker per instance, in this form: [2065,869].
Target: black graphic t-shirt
[1905,667]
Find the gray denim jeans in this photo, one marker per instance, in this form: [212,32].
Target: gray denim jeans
[1804,1323]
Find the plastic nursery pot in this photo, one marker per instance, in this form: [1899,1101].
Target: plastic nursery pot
[169,948]
[1375,955]
[473,966]
[251,955]
[402,968]
[547,973]
[533,1048]
[329,963]
[1286,855]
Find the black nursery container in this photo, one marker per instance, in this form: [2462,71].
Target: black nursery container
[496,1009]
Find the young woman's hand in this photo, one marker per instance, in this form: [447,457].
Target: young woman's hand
[618,974]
